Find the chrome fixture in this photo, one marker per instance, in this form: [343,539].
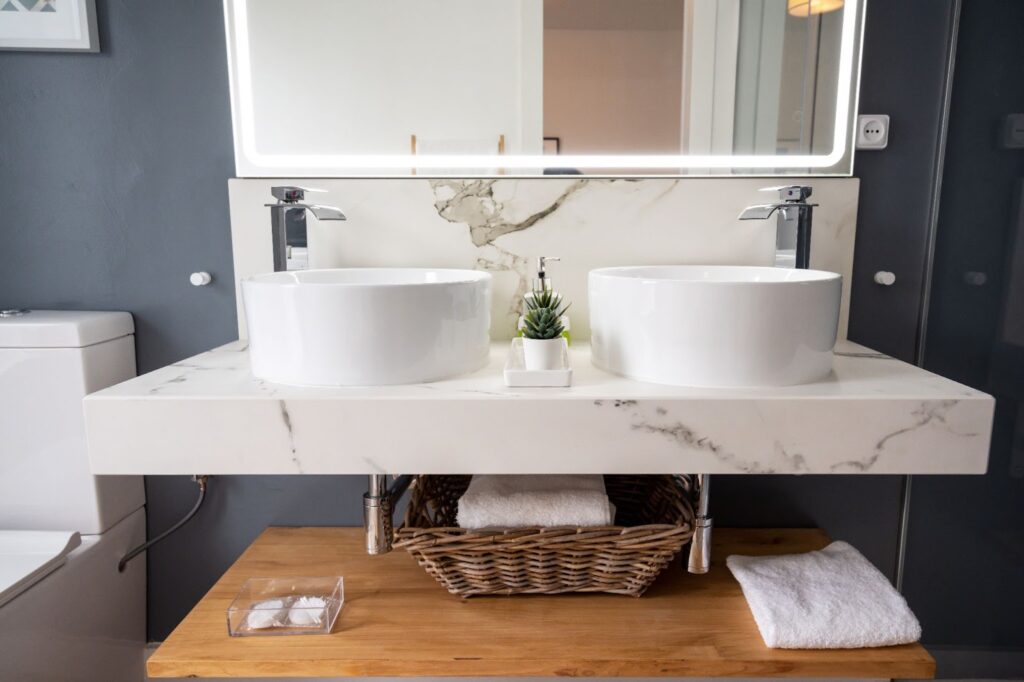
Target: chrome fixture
[289,205]
[793,229]
[700,543]
[14,312]
[378,506]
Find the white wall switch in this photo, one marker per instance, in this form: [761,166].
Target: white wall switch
[872,131]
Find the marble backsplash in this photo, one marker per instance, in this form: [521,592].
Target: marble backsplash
[502,225]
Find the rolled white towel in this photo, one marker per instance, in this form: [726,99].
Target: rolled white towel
[509,501]
[833,598]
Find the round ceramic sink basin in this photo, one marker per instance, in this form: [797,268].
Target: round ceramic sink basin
[714,326]
[367,326]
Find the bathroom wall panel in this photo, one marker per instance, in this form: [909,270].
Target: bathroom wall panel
[598,114]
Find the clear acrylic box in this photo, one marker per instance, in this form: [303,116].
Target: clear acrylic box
[286,606]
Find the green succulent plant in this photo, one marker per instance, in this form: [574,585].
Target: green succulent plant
[543,316]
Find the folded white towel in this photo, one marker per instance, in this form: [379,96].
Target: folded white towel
[528,500]
[830,599]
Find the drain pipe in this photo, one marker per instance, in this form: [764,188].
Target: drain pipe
[700,544]
[378,507]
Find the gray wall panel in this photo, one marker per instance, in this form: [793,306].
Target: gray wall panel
[906,45]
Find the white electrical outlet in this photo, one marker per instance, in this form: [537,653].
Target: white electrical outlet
[872,131]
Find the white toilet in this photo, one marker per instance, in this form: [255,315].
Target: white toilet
[66,613]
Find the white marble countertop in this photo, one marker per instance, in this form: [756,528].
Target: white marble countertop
[209,415]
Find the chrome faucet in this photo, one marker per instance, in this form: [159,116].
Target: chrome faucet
[793,228]
[290,212]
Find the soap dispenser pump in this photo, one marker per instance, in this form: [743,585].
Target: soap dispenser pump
[543,283]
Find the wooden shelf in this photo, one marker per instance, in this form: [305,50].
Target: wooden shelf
[398,622]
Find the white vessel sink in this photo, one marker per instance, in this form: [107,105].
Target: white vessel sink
[367,326]
[709,325]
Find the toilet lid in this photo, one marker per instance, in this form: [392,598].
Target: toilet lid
[27,556]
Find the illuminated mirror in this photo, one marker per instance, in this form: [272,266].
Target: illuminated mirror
[338,88]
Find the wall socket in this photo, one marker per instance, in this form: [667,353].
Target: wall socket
[872,131]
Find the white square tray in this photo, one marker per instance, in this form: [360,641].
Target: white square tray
[517,376]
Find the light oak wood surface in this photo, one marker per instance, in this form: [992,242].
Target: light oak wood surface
[398,622]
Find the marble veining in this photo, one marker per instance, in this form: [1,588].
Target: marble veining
[689,440]
[929,412]
[208,414]
[472,202]
[286,418]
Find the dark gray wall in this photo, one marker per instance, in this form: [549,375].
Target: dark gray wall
[906,47]
[966,539]
[130,150]
[113,172]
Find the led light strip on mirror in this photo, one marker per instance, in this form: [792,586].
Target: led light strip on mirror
[251,162]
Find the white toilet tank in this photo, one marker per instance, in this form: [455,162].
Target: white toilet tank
[49,361]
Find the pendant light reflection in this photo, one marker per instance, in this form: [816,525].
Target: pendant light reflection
[805,8]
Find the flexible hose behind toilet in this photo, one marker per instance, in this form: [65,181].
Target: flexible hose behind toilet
[201,482]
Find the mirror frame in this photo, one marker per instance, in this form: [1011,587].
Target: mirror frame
[251,163]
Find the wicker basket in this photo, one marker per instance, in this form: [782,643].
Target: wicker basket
[657,521]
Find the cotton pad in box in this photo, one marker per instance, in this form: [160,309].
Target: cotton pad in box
[286,606]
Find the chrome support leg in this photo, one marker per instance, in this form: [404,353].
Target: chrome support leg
[901,534]
[377,516]
[378,506]
[700,545]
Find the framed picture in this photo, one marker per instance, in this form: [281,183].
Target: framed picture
[552,145]
[57,25]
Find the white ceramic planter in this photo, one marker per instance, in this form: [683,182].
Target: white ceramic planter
[543,354]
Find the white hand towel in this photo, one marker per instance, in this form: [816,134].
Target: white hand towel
[528,500]
[833,598]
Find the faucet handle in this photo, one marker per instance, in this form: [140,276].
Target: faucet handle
[790,192]
[290,194]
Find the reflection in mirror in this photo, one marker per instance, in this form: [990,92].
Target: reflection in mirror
[463,87]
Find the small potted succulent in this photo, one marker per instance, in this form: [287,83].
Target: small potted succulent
[542,330]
